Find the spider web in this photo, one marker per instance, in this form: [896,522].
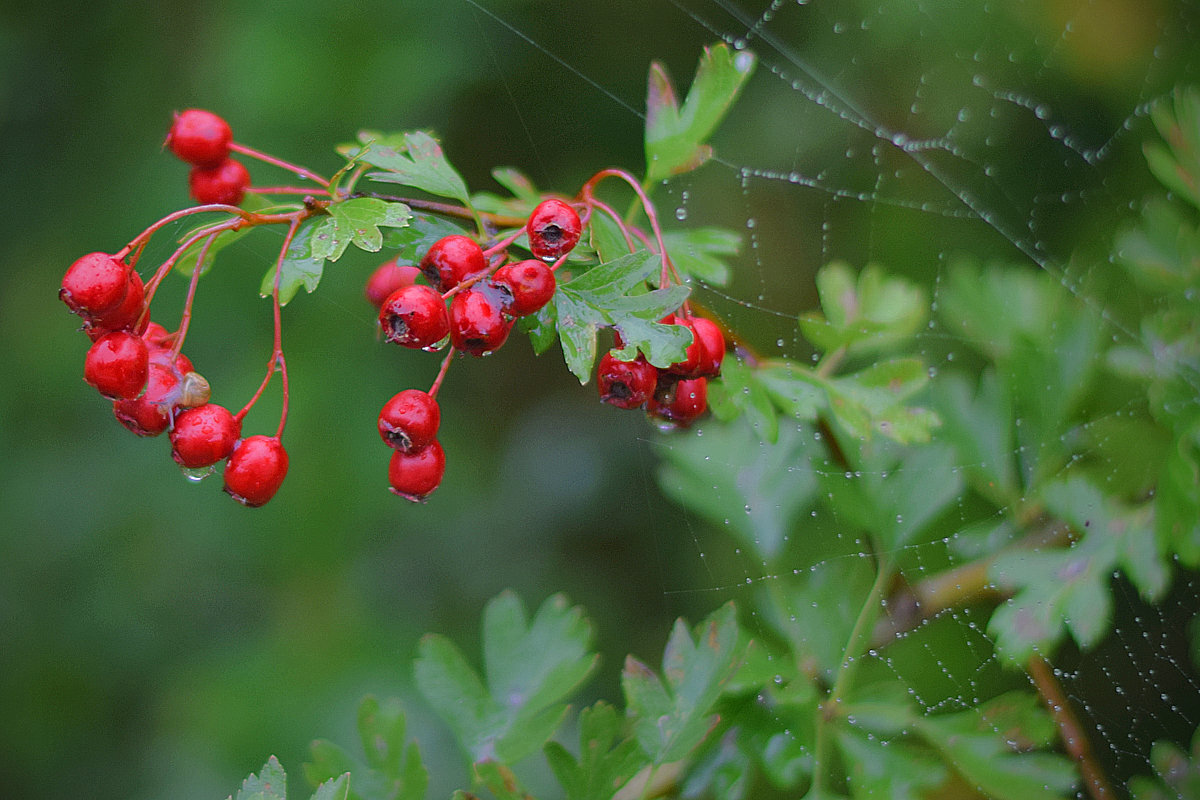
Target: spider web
[915,135]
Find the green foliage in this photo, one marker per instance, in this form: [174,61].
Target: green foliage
[393,769]
[356,221]
[868,314]
[412,159]
[271,784]
[1176,773]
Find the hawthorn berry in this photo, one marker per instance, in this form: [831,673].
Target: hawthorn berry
[224,183]
[478,324]
[626,384]
[415,316]
[126,315]
[204,435]
[696,357]
[199,137]
[409,420]
[255,470]
[150,413]
[451,259]
[529,283]
[680,402]
[387,278]
[414,475]
[712,342]
[117,364]
[94,284]
[553,229]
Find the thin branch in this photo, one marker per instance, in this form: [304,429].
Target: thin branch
[1073,737]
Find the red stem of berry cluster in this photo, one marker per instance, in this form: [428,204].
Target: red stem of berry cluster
[278,162]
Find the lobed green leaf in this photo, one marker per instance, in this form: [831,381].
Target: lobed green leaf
[411,159]
[357,221]
[300,267]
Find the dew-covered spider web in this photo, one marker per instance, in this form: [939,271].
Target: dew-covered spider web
[989,156]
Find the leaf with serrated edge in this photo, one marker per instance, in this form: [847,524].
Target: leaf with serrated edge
[269,784]
[703,252]
[357,222]
[420,164]
[300,266]
[607,757]
[334,789]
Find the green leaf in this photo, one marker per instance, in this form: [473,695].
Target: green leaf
[742,393]
[393,770]
[334,789]
[1177,165]
[415,238]
[979,423]
[606,238]
[702,253]
[608,758]
[300,266]
[1176,773]
[1162,252]
[411,159]
[983,749]
[269,784]
[601,297]
[357,222]
[524,699]
[675,136]
[187,262]
[672,718]
[868,314]
[525,195]
[893,769]
[872,401]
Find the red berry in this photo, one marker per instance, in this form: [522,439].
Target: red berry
[204,435]
[626,384]
[681,402]
[696,357]
[117,365]
[387,278]
[415,316]
[553,229]
[150,413]
[530,283]
[478,324]
[256,469]
[94,284]
[409,421]
[200,137]
[415,474]
[713,343]
[126,315]
[224,183]
[452,259]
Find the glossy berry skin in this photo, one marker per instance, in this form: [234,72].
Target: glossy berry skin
[553,229]
[478,324]
[204,435]
[387,278]
[200,137]
[626,384]
[117,365]
[255,470]
[224,183]
[94,284]
[415,474]
[712,343]
[150,413]
[681,403]
[452,259]
[529,283]
[415,316]
[126,316]
[409,420]
[696,358]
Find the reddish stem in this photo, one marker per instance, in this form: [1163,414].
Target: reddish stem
[278,162]
[186,319]
[587,192]
[280,190]
[441,376]
[143,237]
[503,243]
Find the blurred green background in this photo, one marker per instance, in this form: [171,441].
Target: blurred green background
[159,640]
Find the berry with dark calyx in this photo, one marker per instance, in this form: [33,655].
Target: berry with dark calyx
[553,229]
[452,259]
[478,324]
[127,313]
[94,284]
[409,420]
[204,435]
[224,183]
[255,470]
[530,283]
[150,413]
[713,343]
[387,278]
[414,475]
[199,137]
[117,365]
[626,384]
[681,402]
[415,316]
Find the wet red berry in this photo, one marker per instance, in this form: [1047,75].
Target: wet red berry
[224,183]
[117,365]
[553,229]
[410,420]
[126,315]
[452,259]
[681,402]
[415,474]
[415,316]
[626,384]
[696,357]
[204,435]
[387,278]
[255,470]
[199,137]
[712,342]
[94,284]
[478,324]
[530,283]
[150,413]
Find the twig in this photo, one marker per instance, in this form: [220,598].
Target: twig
[1074,740]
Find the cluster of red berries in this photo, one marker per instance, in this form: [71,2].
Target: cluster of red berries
[470,300]
[203,139]
[676,396]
